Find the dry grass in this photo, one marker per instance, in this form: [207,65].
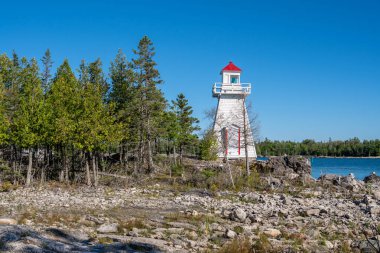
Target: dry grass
[191,219]
[105,240]
[238,245]
[130,224]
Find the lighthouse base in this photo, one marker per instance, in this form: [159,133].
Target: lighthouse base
[232,128]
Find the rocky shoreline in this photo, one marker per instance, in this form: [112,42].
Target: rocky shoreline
[331,215]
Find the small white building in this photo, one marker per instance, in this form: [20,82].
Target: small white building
[231,124]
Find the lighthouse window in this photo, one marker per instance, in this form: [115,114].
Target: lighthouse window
[234,79]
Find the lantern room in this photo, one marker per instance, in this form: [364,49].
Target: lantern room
[231,74]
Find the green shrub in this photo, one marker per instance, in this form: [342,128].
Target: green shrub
[263,244]
[6,186]
[6,173]
[251,182]
[105,240]
[208,173]
[238,229]
[208,149]
[177,170]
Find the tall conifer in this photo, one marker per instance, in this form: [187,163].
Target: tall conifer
[63,101]
[122,95]
[187,123]
[149,100]
[28,120]
[46,71]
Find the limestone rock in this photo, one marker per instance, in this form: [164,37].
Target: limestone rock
[107,228]
[230,234]
[239,214]
[7,221]
[272,232]
[376,195]
[287,165]
[313,212]
[252,197]
[374,210]
[371,179]
[329,245]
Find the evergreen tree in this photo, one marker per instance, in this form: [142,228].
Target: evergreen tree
[171,129]
[28,120]
[96,126]
[67,116]
[187,123]
[5,68]
[208,148]
[10,72]
[63,103]
[15,59]
[96,77]
[46,73]
[122,95]
[149,101]
[4,123]
[5,65]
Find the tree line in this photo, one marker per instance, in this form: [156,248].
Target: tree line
[349,148]
[63,126]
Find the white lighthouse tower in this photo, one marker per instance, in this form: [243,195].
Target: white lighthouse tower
[232,125]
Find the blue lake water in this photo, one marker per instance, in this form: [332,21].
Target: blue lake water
[360,167]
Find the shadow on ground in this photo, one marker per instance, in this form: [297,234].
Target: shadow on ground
[23,239]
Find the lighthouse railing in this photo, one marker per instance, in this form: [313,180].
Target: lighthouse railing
[231,88]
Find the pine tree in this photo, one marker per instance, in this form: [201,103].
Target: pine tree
[15,59]
[187,123]
[122,96]
[170,132]
[46,73]
[149,100]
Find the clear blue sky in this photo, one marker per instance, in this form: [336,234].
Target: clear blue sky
[315,65]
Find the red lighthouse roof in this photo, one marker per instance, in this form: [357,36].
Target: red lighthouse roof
[231,67]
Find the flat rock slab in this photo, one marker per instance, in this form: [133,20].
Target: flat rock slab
[156,245]
[7,221]
[108,228]
[182,225]
[14,238]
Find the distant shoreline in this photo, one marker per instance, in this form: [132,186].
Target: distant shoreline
[347,157]
[337,157]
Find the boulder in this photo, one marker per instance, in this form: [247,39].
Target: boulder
[239,214]
[348,182]
[313,212]
[252,197]
[272,232]
[376,194]
[369,246]
[374,210]
[329,245]
[309,212]
[371,179]
[230,234]
[108,228]
[290,166]
[7,221]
